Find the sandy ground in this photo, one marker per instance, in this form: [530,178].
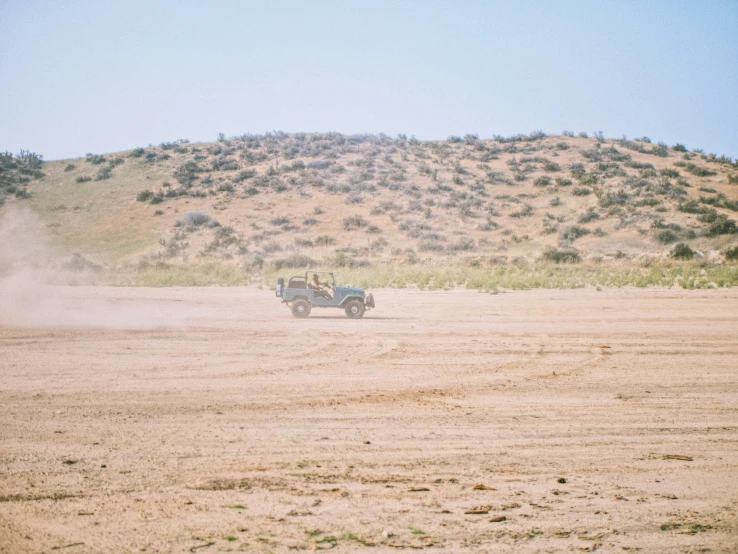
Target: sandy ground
[211,420]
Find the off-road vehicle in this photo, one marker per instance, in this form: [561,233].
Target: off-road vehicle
[301,295]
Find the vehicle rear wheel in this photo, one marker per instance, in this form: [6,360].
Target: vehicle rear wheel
[301,308]
[354,309]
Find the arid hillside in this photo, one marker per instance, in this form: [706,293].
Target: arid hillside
[274,201]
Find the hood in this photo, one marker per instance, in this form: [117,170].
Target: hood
[350,290]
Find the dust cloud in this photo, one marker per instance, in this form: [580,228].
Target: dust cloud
[42,287]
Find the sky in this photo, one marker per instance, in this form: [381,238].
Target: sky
[90,76]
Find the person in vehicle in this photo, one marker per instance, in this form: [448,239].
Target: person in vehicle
[319,287]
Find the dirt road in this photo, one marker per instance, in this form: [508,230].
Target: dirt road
[210,420]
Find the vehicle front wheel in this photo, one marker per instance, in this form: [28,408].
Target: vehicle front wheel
[355,309]
[301,308]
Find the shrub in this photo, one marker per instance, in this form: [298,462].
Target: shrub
[144,196]
[69,167]
[668,172]
[551,167]
[660,149]
[464,243]
[104,173]
[430,246]
[95,159]
[589,215]
[666,236]
[325,240]
[319,164]
[280,220]
[294,261]
[354,222]
[564,256]
[732,253]
[563,182]
[196,218]
[187,173]
[699,171]
[679,147]
[244,175]
[574,232]
[581,191]
[722,226]
[543,181]
[83,179]
[137,152]
[682,252]
[733,179]
[309,221]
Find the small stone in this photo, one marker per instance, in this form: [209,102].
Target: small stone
[497,519]
[387,534]
[562,480]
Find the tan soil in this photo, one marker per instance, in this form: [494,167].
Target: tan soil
[133,439]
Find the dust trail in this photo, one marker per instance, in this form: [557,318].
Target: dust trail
[35,279]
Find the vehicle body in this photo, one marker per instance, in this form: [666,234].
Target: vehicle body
[301,297]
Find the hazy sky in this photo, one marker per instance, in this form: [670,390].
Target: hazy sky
[91,76]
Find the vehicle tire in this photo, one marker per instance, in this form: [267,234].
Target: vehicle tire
[355,309]
[301,308]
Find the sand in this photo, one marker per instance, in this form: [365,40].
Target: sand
[210,420]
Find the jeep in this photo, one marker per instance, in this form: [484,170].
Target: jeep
[301,295]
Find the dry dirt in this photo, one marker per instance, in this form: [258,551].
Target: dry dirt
[210,420]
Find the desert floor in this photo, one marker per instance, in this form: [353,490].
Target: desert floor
[211,420]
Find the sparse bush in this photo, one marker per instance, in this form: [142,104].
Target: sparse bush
[69,167]
[563,182]
[581,191]
[137,152]
[83,179]
[564,256]
[310,221]
[733,179]
[679,147]
[732,253]
[682,252]
[543,181]
[279,220]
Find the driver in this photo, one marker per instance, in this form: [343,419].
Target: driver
[317,286]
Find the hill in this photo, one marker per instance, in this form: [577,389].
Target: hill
[389,210]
